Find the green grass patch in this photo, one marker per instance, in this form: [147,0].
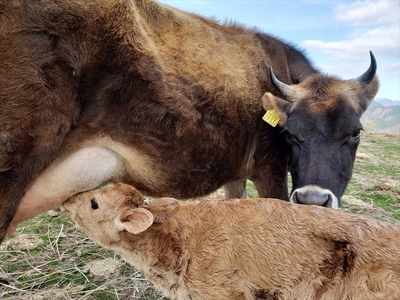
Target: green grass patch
[251,191]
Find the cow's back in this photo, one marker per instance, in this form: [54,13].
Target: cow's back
[175,88]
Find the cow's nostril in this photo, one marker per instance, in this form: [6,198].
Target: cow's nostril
[310,198]
[314,195]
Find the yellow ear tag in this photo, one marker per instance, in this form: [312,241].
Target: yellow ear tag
[271,117]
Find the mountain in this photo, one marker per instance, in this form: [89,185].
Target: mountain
[387,102]
[383,115]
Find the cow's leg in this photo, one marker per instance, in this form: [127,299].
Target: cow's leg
[235,189]
[86,169]
[272,186]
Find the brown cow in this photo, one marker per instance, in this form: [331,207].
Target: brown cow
[244,249]
[167,101]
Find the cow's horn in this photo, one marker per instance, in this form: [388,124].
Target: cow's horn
[369,75]
[285,89]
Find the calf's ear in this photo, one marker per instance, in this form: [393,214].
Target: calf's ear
[277,109]
[134,220]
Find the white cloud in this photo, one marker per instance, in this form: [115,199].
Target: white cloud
[382,40]
[362,13]
[392,69]
[376,27]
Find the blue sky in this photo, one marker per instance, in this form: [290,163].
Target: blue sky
[336,35]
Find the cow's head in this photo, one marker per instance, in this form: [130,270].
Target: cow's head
[321,119]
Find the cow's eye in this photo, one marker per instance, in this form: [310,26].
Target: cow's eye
[356,134]
[287,135]
[291,138]
[93,203]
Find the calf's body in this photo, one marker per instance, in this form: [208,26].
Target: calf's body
[244,249]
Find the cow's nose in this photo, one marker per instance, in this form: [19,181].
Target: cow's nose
[314,195]
[307,197]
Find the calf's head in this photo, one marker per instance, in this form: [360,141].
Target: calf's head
[321,120]
[103,213]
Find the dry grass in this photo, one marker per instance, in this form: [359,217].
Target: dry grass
[48,258]
[60,262]
[374,189]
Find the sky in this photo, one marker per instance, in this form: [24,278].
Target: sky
[336,35]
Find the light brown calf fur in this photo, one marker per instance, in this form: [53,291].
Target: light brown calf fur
[244,249]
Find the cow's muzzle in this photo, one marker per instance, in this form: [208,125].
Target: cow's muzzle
[314,195]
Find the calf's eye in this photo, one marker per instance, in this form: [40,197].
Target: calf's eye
[93,203]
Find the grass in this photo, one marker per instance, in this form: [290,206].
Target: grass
[55,267]
[375,187]
[48,257]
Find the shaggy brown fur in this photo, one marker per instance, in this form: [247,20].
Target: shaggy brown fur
[174,97]
[244,249]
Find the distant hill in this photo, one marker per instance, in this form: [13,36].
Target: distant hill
[383,115]
[387,102]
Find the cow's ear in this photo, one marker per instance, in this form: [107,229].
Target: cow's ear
[277,109]
[134,220]
[366,94]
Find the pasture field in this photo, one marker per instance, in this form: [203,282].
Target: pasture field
[48,258]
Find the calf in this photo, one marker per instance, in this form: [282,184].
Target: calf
[243,249]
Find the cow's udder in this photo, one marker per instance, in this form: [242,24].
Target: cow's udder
[84,170]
